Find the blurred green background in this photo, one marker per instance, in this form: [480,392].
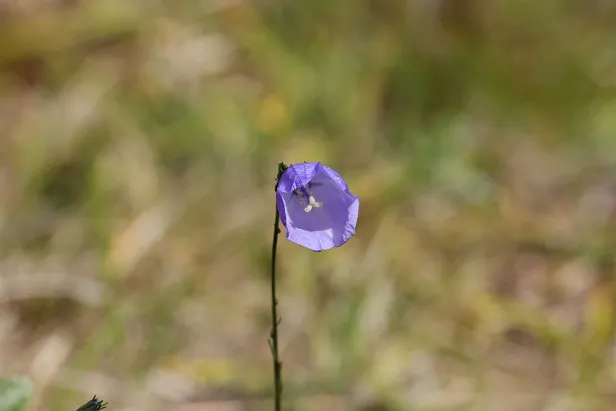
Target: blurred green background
[139,143]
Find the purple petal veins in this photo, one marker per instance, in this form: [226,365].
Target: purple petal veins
[316,206]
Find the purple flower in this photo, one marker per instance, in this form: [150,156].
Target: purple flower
[316,206]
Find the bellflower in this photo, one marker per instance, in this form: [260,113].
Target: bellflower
[316,206]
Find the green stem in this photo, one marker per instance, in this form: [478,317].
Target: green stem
[275,320]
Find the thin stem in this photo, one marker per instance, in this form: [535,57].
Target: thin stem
[273,341]
[275,321]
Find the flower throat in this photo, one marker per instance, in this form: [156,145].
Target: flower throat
[305,195]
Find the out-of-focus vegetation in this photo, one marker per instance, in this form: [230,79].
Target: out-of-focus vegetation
[14,393]
[139,144]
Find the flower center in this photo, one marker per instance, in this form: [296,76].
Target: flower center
[304,194]
[313,203]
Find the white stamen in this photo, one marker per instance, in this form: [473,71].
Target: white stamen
[317,204]
[313,203]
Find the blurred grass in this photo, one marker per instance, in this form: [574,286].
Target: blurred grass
[140,142]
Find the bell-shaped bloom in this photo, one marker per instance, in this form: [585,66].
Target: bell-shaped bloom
[316,206]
